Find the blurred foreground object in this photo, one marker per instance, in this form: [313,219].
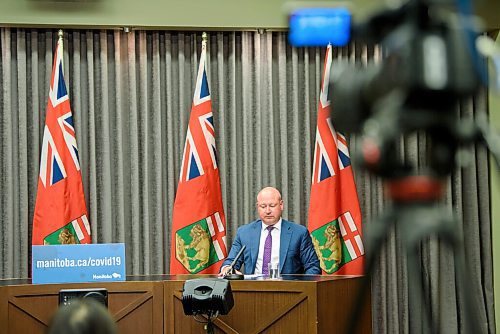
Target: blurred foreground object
[82,316]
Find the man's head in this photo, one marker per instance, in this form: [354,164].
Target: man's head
[269,205]
[82,316]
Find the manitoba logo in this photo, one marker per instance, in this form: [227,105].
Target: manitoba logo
[194,246]
[337,243]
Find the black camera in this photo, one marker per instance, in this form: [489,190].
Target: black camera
[429,64]
[430,59]
[66,296]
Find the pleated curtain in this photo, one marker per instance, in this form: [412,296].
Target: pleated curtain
[131,96]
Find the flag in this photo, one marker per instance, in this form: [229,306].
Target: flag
[334,212]
[199,225]
[60,211]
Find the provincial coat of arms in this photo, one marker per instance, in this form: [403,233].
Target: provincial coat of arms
[194,247]
[334,243]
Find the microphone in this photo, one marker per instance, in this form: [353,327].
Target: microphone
[231,275]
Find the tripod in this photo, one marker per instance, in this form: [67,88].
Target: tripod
[418,214]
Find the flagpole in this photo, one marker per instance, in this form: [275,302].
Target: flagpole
[204,39]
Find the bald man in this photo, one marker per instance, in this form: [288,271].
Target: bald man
[272,239]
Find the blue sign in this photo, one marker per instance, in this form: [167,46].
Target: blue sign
[319,27]
[78,263]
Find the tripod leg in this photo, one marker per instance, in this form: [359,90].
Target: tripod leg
[437,222]
[448,231]
[418,222]
[455,240]
[421,318]
[375,236]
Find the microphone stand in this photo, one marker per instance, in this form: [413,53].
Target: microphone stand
[231,274]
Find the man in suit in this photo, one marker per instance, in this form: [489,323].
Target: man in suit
[272,239]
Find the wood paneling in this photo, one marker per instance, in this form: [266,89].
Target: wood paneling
[298,304]
[3,310]
[337,300]
[136,306]
[314,306]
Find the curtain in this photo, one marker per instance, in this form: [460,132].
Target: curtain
[131,96]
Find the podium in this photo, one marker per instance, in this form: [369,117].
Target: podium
[136,306]
[153,304]
[296,304]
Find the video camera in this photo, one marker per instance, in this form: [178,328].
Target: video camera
[429,65]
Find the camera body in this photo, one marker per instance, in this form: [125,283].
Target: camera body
[66,296]
[427,59]
[429,64]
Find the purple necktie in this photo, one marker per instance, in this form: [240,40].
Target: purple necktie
[268,246]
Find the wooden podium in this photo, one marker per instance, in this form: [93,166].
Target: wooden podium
[136,306]
[153,304]
[296,304]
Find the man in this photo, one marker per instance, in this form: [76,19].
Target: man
[272,239]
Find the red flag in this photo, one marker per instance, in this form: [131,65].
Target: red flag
[60,211]
[334,213]
[199,225]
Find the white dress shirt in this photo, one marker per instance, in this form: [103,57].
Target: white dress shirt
[275,250]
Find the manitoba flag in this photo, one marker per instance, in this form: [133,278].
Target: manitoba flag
[60,212]
[334,213]
[199,225]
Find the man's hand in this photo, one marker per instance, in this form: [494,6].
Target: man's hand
[226,270]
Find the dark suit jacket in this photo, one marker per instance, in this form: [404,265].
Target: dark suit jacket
[297,255]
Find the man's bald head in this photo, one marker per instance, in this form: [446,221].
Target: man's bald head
[269,205]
